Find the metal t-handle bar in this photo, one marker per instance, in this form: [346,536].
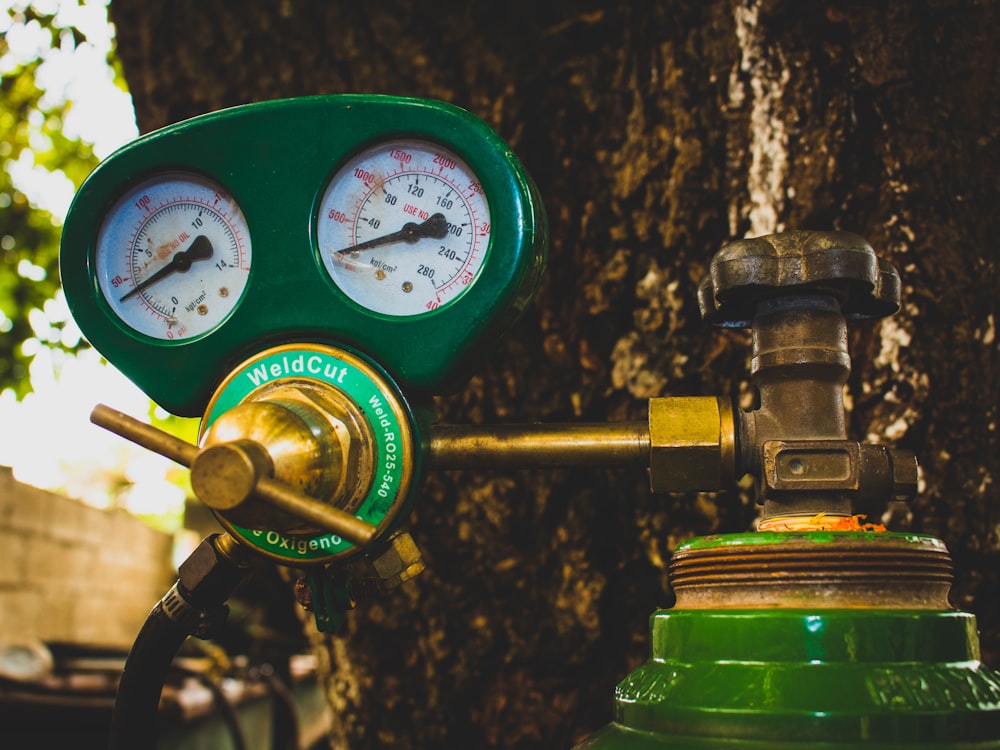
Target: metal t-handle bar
[270,490]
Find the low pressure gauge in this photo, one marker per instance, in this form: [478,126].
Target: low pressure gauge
[173,256]
[404,227]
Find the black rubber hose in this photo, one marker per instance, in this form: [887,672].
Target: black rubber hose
[285,729]
[133,724]
[227,709]
[195,603]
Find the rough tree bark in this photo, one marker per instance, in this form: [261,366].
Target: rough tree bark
[657,132]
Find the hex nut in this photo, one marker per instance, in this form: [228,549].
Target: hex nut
[691,444]
[209,575]
[398,562]
[905,474]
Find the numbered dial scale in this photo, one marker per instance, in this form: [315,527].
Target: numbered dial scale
[404,227]
[404,230]
[173,256]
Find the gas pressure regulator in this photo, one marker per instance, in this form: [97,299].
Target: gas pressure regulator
[303,275]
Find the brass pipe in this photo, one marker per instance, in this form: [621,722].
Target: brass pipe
[612,445]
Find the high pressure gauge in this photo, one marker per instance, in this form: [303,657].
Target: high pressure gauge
[403,227]
[173,256]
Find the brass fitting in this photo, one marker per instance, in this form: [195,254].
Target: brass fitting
[196,602]
[398,562]
[211,572]
[692,444]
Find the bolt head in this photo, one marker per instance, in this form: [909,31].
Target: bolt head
[905,474]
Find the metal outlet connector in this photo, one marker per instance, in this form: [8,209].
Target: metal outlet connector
[692,444]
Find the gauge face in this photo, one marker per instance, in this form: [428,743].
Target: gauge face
[173,256]
[404,228]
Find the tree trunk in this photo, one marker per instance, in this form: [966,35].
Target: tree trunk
[656,132]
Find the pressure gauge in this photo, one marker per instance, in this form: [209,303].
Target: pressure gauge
[173,256]
[403,230]
[404,227]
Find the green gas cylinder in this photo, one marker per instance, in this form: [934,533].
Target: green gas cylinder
[809,640]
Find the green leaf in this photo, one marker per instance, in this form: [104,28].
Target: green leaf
[29,236]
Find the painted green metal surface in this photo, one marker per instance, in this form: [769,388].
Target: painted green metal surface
[779,679]
[778,538]
[276,159]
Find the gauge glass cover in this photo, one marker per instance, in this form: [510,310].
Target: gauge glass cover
[404,227]
[173,256]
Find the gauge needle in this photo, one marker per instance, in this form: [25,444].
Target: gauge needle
[436,227]
[200,249]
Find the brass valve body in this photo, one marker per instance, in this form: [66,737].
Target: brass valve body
[796,291]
